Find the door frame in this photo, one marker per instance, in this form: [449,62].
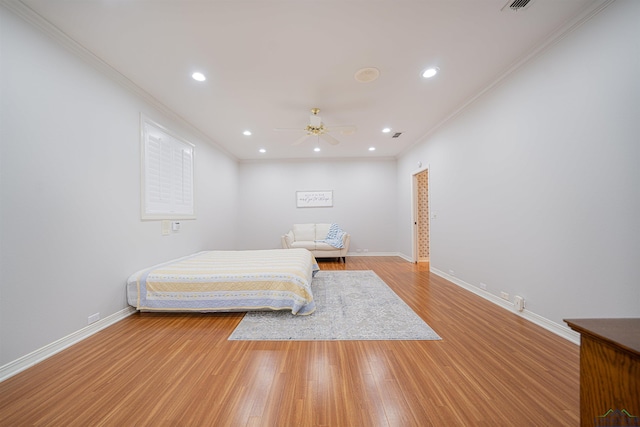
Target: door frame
[415,255]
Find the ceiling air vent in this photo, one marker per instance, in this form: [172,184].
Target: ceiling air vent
[516,5]
[397,134]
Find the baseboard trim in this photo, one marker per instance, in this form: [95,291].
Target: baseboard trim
[27,361]
[543,322]
[405,257]
[372,254]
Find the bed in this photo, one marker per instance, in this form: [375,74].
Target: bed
[209,281]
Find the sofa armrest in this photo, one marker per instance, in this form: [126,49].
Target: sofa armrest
[287,240]
[346,239]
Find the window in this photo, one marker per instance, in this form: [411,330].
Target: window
[167,174]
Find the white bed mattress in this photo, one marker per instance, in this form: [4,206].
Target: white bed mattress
[275,279]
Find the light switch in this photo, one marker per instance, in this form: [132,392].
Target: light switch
[175,226]
[166,227]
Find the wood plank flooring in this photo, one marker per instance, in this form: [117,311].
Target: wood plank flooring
[492,368]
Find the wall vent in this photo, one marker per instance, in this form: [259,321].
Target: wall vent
[516,5]
[397,134]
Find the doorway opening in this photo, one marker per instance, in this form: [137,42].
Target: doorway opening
[421,216]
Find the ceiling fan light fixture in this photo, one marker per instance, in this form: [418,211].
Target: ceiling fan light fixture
[319,130]
[367,75]
[430,72]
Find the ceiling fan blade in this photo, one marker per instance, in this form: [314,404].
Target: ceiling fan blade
[288,129]
[301,140]
[345,130]
[328,138]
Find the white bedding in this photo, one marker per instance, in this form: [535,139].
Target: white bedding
[275,279]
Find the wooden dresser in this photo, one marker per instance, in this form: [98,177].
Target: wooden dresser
[609,371]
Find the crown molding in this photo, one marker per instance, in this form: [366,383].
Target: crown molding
[554,38]
[36,20]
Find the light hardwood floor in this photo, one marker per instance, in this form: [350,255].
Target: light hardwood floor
[491,368]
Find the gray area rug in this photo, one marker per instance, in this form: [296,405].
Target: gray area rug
[350,305]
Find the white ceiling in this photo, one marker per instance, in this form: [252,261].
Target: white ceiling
[269,62]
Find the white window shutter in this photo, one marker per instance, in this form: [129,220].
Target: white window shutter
[167,175]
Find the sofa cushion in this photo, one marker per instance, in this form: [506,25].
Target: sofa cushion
[304,244]
[321,231]
[305,232]
[322,246]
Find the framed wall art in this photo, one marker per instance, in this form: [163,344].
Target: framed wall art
[314,199]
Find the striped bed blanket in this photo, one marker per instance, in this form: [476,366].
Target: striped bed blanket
[276,279]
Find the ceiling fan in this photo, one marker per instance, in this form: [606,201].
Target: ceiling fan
[318,129]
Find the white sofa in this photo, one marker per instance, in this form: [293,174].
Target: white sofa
[310,236]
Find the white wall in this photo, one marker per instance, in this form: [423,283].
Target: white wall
[536,185]
[70,228]
[364,199]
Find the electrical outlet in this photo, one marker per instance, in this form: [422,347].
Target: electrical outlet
[504,295]
[483,286]
[93,318]
[452,273]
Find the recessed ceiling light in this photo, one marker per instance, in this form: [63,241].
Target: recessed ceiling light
[198,77]
[262,150]
[430,72]
[386,130]
[247,133]
[316,149]
[372,148]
